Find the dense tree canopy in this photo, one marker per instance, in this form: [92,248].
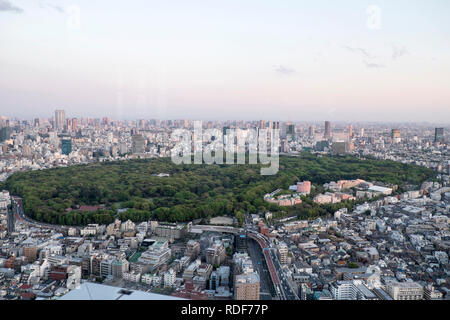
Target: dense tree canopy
[191,191]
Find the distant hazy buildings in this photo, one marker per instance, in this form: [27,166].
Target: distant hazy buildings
[395,133]
[60,119]
[138,143]
[439,135]
[327,134]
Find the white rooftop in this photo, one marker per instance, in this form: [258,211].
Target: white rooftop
[96,291]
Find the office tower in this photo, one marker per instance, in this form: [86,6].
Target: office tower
[395,134]
[327,134]
[439,135]
[350,132]
[213,281]
[290,129]
[74,124]
[37,122]
[123,149]
[262,125]
[312,131]
[138,143]
[66,146]
[339,147]
[60,119]
[241,243]
[362,132]
[246,286]
[5,133]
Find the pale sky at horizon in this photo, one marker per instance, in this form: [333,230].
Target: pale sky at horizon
[249,59]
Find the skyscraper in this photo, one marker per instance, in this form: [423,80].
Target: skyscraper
[290,129]
[74,124]
[439,135]
[66,146]
[262,124]
[60,119]
[138,143]
[327,134]
[395,134]
[5,133]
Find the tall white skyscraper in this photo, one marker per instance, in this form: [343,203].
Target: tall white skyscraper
[60,119]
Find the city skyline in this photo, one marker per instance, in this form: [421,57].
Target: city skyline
[350,61]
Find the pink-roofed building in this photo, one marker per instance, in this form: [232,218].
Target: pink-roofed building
[304,187]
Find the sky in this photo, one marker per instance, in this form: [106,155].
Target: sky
[347,60]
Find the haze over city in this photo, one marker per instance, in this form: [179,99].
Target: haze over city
[289,60]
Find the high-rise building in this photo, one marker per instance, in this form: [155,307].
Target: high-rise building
[138,143]
[312,131]
[60,119]
[439,135]
[5,133]
[290,129]
[283,252]
[241,243]
[246,286]
[327,134]
[66,146]
[339,147]
[74,124]
[395,134]
[30,252]
[350,132]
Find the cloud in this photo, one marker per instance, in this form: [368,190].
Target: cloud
[284,70]
[359,51]
[7,6]
[372,65]
[52,6]
[399,52]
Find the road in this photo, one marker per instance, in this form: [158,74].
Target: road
[267,290]
[280,281]
[20,216]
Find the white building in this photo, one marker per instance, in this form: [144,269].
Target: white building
[405,290]
[132,276]
[169,278]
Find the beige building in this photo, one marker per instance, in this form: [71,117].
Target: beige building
[405,290]
[246,286]
[283,252]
